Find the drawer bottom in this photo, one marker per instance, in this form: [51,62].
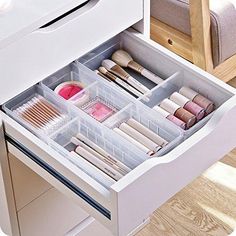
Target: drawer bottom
[89,227]
[50,214]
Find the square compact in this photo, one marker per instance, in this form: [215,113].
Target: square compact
[99,109]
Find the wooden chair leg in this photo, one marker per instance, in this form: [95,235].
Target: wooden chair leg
[201,36]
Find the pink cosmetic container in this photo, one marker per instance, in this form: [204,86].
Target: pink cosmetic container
[170,117]
[99,109]
[190,106]
[198,99]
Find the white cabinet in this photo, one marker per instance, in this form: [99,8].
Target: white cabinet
[120,206]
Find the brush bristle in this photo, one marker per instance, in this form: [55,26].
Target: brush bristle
[108,64]
[122,58]
[102,69]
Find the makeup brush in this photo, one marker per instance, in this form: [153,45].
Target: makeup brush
[102,75]
[111,66]
[123,84]
[124,59]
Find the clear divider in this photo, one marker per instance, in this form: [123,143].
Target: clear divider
[27,109]
[69,73]
[75,121]
[152,121]
[99,135]
[187,79]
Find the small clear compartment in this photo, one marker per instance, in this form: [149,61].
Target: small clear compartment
[99,135]
[98,99]
[140,52]
[103,101]
[39,110]
[70,72]
[69,83]
[153,122]
[205,87]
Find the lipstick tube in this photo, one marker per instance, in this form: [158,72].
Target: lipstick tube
[190,106]
[198,99]
[179,112]
[170,117]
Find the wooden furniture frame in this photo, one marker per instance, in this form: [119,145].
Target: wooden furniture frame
[197,47]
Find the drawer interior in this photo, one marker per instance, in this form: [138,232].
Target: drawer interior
[76,119]
[120,107]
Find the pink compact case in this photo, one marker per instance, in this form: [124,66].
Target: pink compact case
[99,109]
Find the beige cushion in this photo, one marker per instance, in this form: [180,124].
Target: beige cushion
[223,23]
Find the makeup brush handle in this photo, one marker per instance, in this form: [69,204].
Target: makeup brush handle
[140,87]
[140,137]
[133,141]
[146,73]
[128,87]
[151,76]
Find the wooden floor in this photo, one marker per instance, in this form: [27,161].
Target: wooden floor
[205,207]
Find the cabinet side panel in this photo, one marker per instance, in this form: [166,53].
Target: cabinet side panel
[143,26]
[8,218]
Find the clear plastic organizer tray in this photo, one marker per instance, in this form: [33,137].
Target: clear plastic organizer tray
[97,92]
[173,75]
[186,78]
[102,137]
[68,73]
[16,106]
[76,120]
[93,59]
[152,121]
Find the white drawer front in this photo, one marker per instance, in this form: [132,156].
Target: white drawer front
[124,205]
[46,50]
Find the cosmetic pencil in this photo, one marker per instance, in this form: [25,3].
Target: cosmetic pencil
[99,156]
[102,152]
[91,170]
[98,163]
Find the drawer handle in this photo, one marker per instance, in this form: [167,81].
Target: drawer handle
[73,13]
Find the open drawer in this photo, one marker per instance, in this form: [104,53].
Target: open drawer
[122,205]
